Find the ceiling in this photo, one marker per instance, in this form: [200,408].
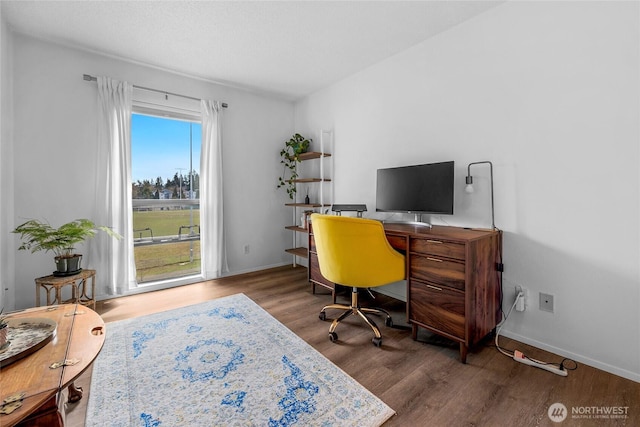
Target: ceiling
[287,49]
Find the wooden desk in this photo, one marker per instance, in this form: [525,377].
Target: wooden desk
[453,282]
[79,335]
[79,288]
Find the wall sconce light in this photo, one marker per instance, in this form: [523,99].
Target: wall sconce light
[469,187]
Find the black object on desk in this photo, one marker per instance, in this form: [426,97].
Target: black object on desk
[349,208]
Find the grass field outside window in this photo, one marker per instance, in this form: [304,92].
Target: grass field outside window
[165,258]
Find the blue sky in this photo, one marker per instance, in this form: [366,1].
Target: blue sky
[160,147]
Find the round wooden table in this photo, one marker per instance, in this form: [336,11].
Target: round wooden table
[40,378]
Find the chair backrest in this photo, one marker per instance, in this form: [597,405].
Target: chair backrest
[355,251]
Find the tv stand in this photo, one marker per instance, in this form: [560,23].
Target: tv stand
[415,223]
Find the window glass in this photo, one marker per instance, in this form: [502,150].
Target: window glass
[165,163]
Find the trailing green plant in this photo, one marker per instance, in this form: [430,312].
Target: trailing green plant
[41,236]
[290,154]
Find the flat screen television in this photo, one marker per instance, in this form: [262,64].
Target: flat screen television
[417,189]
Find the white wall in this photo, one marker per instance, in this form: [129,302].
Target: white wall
[549,92]
[55,153]
[6,169]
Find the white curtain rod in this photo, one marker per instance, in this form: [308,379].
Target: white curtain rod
[89,78]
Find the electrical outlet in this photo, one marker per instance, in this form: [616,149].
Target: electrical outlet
[522,300]
[546,302]
[246,249]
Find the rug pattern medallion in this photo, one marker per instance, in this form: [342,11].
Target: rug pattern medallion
[224,362]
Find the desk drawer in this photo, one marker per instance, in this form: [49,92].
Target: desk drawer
[438,307]
[439,270]
[398,243]
[438,247]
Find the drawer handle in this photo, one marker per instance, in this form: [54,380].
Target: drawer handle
[434,287]
[435,241]
[434,259]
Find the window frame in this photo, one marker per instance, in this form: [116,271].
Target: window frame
[171,108]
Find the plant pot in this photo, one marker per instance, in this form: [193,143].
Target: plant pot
[68,264]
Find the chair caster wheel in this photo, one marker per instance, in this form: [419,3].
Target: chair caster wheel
[333,337]
[376,341]
[389,322]
[322,315]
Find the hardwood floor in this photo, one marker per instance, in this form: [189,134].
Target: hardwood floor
[423,381]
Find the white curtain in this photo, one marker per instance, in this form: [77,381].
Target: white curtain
[113,258]
[212,245]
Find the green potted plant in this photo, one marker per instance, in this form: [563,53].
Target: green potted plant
[290,154]
[41,236]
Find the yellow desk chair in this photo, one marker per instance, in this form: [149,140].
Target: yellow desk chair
[355,252]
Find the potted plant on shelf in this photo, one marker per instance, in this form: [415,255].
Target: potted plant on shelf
[41,236]
[290,154]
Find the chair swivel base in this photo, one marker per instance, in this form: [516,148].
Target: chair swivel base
[355,309]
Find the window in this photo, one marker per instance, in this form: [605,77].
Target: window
[165,162]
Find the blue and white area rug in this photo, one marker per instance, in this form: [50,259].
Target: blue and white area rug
[225,362]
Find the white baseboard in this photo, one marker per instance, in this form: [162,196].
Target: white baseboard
[167,284]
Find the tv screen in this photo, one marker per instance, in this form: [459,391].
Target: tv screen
[418,189]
